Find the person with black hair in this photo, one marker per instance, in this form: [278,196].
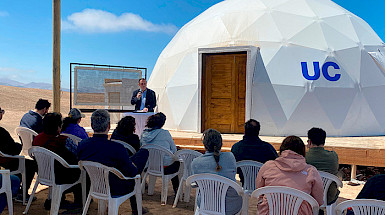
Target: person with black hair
[155,135]
[221,163]
[124,131]
[322,159]
[251,147]
[291,170]
[71,124]
[51,139]
[34,118]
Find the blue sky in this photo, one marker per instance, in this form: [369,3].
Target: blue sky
[127,33]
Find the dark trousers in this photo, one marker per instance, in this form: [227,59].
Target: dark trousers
[173,168]
[122,187]
[69,176]
[30,169]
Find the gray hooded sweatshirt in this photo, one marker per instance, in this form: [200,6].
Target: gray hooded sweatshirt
[159,137]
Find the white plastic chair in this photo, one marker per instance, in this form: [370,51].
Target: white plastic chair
[20,170]
[362,207]
[187,155]
[327,179]
[74,138]
[6,188]
[100,187]
[126,145]
[46,175]
[155,168]
[26,136]
[249,170]
[285,200]
[212,191]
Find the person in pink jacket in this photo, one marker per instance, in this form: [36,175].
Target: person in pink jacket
[291,170]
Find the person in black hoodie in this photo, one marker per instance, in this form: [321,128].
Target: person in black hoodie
[251,147]
[10,147]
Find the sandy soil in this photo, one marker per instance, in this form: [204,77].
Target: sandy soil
[17,101]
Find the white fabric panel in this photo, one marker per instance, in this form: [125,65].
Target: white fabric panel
[288,33]
[189,121]
[289,97]
[343,25]
[350,60]
[379,58]
[180,99]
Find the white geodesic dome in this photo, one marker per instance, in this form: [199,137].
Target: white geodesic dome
[349,100]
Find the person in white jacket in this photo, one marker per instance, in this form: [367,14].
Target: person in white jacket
[155,135]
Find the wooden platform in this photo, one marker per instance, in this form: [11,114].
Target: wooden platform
[365,151]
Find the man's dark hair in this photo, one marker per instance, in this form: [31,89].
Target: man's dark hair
[51,123]
[156,121]
[252,128]
[41,104]
[126,126]
[141,79]
[317,136]
[294,144]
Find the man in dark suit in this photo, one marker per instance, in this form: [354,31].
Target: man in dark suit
[143,98]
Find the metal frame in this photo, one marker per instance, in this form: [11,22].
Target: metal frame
[101,66]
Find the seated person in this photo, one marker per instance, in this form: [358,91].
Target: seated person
[125,132]
[291,170]
[322,159]
[374,188]
[51,139]
[34,119]
[15,184]
[10,147]
[220,163]
[71,124]
[252,147]
[99,149]
[155,135]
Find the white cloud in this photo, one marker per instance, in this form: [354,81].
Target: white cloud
[17,74]
[4,13]
[99,21]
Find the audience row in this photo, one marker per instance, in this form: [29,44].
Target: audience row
[292,167]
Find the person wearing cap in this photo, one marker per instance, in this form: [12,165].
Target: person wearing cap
[71,124]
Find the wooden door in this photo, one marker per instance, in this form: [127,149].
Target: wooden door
[223,92]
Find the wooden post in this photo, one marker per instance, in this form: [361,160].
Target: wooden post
[56,55]
[353,172]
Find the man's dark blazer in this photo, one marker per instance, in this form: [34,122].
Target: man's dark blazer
[150,100]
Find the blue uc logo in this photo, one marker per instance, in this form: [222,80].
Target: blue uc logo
[317,72]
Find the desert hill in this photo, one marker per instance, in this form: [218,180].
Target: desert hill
[16,101]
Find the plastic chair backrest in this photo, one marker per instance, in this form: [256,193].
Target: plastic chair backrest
[212,191]
[45,164]
[126,145]
[285,200]
[362,207]
[155,159]
[327,179]
[249,170]
[99,176]
[74,138]
[26,136]
[187,155]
